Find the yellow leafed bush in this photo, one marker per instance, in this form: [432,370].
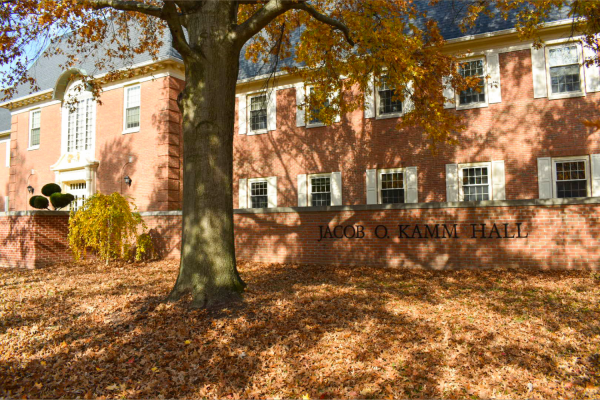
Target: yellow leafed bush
[108,225]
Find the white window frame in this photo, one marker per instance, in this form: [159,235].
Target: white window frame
[461,194]
[323,175]
[137,128]
[586,161]
[547,49]
[31,113]
[378,115]
[487,93]
[307,112]
[249,190]
[380,172]
[249,111]
[6,139]
[65,120]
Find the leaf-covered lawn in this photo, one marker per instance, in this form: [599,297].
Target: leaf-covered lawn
[86,330]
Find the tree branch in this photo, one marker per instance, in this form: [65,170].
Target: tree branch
[125,5]
[171,16]
[275,8]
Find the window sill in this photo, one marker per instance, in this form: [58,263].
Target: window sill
[565,95]
[471,106]
[315,125]
[262,131]
[128,131]
[33,148]
[389,116]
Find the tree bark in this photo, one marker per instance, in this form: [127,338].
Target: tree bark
[208,264]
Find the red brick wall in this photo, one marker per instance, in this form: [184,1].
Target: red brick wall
[566,236]
[558,237]
[518,130]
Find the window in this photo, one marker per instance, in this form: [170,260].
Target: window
[564,69]
[79,191]
[313,113]
[258,113]
[259,194]
[386,103]
[132,108]
[391,186]
[474,68]
[34,129]
[80,126]
[320,190]
[571,178]
[475,181]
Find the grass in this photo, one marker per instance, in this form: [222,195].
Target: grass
[88,331]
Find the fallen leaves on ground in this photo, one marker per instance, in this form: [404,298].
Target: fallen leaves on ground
[302,331]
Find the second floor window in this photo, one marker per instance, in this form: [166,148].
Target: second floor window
[564,68]
[475,95]
[313,113]
[34,131]
[387,104]
[258,113]
[392,187]
[80,126]
[132,107]
[259,196]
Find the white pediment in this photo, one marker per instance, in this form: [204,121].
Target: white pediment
[74,160]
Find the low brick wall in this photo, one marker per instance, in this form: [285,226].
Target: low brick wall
[537,233]
[33,239]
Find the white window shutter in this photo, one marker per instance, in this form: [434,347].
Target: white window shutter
[448,93]
[595,175]
[451,182]
[592,73]
[498,180]
[338,117]
[407,104]
[336,188]
[272,110]
[370,99]
[371,186]
[300,112]
[538,65]
[242,114]
[6,208]
[302,191]
[272,191]
[545,177]
[412,186]
[243,193]
[493,70]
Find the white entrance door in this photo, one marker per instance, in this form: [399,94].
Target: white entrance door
[79,190]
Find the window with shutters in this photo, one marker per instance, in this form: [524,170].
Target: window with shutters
[476,95]
[475,181]
[257,113]
[34,129]
[80,125]
[132,109]
[259,194]
[319,190]
[571,177]
[387,103]
[564,70]
[392,184]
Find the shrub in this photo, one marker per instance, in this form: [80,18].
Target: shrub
[50,188]
[107,225]
[39,202]
[57,199]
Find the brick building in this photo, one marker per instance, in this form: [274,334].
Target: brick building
[526,167]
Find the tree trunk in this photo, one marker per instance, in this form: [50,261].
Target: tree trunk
[208,265]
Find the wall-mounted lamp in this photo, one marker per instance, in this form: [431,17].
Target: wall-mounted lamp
[127,180]
[30,189]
